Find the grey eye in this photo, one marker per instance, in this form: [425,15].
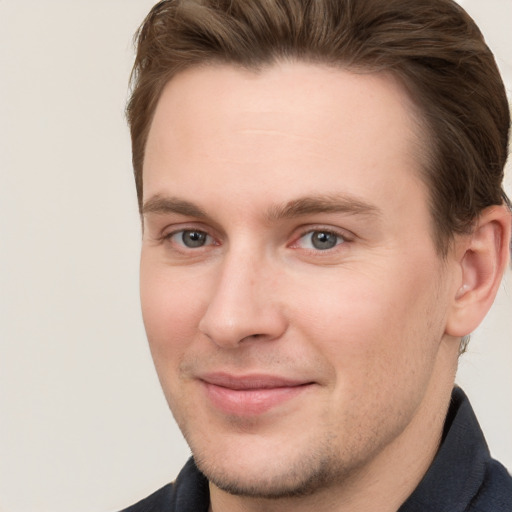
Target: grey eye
[322,240]
[193,239]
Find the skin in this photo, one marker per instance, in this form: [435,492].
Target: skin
[257,164]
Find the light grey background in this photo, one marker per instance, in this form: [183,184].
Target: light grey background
[83,423]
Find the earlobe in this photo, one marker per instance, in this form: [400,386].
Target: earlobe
[483,260]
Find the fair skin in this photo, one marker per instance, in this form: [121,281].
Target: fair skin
[303,326]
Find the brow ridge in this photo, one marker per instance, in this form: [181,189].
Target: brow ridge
[165,205]
[335,203]
[307,205]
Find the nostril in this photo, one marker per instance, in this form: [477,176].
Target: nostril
[253,336]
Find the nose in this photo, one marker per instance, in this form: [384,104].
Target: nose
[243,304]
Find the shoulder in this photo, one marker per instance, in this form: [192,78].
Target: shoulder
[463,476]
[156,502]
[188,493]
[495,493]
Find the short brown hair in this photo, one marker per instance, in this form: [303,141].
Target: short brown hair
[432,46]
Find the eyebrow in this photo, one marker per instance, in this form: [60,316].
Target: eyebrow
[307,205]
[335,203]
[163,205]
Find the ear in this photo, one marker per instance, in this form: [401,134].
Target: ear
[483,256]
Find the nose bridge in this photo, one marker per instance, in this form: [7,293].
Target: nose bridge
[240,305]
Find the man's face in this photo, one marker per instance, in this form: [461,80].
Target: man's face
[292,295]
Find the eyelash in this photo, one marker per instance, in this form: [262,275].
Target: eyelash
[169,236]
[340,239]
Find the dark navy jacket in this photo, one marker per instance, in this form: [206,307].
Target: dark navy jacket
[462,478]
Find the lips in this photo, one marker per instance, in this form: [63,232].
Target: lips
[251,394]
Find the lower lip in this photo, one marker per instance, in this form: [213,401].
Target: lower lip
[250,402]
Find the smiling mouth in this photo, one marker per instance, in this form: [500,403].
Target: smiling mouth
[250,395]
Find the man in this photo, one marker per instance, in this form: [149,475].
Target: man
[323,227]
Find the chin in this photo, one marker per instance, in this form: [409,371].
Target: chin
[272,478]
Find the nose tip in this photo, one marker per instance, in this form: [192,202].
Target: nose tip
[230,332]
[241,307]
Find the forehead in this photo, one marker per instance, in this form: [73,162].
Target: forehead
[288,129]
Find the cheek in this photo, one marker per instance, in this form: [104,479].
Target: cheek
[376,325]
[376,336]
[171,311]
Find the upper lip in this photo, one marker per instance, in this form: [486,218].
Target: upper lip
[253,381]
